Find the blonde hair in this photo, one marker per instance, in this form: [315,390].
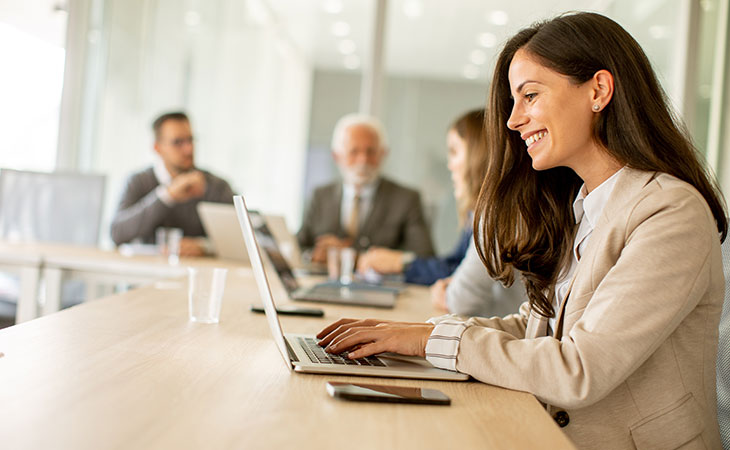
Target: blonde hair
[470,128]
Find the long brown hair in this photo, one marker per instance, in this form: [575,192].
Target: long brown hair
[470,128]
[524,219]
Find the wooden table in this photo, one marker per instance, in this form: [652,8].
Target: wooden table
[24,260]
[95,266]
[48,262]
[130,371]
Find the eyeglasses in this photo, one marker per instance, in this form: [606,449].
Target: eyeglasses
[179,142]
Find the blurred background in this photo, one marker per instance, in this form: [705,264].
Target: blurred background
[264,82]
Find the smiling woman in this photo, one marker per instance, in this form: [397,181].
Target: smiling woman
[596,196]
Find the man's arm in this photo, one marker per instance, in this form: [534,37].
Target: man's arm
[138,214]
[220,190]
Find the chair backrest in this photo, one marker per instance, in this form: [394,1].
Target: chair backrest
[55,207]
[723,355]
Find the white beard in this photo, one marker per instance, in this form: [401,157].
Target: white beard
[359,175]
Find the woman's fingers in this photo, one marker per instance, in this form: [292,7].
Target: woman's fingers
[364,339]
[344,326]
[333,326]
[350,338]
[366,350]
[336,328]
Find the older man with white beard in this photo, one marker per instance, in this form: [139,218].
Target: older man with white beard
[363,209]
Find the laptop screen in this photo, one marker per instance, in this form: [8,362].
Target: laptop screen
[257,265]
[268,244]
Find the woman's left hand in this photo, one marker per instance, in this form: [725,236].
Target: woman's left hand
[363,338]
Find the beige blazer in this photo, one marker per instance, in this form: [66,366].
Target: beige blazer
[632,364]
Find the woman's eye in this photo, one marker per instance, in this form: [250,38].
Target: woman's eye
[530,96]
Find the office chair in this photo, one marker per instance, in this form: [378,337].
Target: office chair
[48,207]
[51,207]
[723,355]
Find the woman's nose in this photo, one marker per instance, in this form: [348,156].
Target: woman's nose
[516,119]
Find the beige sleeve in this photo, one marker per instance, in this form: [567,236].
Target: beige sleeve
[514,324]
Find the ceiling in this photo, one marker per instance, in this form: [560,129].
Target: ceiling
[427,38]
[442,39]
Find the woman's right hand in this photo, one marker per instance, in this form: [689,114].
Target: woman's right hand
[361,338]
[337,328]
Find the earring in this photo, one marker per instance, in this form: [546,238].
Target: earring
[596,107]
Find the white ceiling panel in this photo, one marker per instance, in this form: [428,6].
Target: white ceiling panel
[425,38]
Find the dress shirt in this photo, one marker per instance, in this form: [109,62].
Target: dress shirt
[367,194]
[443,344]
[587,209]
[164,178]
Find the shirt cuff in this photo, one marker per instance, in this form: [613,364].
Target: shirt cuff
[207,246]
[164,196]
[443,344]
[407,258]
[439,319]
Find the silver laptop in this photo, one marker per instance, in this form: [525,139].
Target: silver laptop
[360,294]
[302,353]
[221,225]
[285,239]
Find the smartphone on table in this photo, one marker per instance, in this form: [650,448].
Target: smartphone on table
[388,394]
[291,310]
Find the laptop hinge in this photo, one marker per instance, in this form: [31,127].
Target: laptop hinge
[292,355]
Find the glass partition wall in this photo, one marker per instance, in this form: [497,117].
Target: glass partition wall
[32,51]
[264,82]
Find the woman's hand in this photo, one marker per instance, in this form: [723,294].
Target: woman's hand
[438,294]
[367,337]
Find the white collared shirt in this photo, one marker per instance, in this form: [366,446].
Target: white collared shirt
[164,178]
[367,194]
[443,343]
[587,209]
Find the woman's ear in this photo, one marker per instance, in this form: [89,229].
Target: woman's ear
[602,91]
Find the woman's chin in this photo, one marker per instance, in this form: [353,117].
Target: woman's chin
[538,164]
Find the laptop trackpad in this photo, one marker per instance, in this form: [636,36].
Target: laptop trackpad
[395,360]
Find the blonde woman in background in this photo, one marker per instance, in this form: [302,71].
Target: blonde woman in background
[467,162]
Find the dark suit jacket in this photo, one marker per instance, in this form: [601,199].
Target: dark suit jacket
[141,211]
[395,219]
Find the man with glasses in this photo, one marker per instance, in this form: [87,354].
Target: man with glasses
[166,194]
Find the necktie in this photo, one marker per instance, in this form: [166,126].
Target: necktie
[353,222]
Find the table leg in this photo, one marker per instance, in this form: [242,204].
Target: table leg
[52,279]
[28,299]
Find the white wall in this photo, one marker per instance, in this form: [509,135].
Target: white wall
[247,91]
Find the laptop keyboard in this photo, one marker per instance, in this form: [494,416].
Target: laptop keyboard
[317,355]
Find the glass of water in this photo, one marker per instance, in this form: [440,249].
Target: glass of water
[205,293]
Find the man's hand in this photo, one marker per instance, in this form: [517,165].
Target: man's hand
[319,252]
[438,294]
[381,260]
[191,247]
[187,186]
